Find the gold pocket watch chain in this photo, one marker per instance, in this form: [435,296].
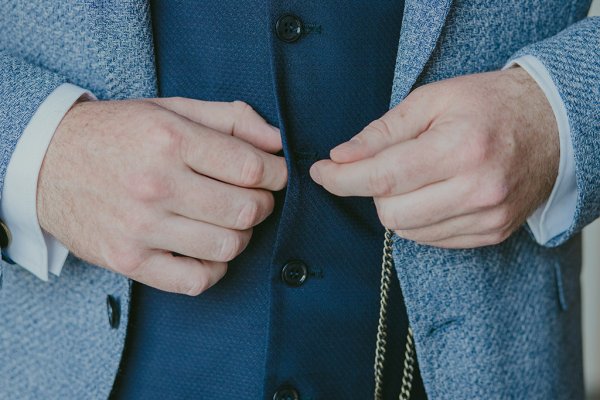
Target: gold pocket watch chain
[387,268]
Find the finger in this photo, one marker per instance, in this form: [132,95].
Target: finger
[429,205]
[199,239]
[479,223]
[233,118]
[183,275]
[232,160]
[471,241]
[399,169]
[207,200]
[403,122]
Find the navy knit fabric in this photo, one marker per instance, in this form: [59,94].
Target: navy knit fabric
[500,322]
[252,334]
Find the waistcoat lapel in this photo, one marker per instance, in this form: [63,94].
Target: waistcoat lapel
[421,27]
[123,36]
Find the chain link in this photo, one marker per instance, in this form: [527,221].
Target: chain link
[387,268]
[409,366]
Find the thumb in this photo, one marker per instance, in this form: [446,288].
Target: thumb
[232,118]
[405,121]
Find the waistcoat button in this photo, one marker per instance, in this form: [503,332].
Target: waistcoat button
[289,28]
[286,393]
[113,309]
[294,273]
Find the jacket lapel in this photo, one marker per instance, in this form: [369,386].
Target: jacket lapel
[123,37]
[421,27]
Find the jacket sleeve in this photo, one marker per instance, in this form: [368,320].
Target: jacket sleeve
[23,87]
[572,58]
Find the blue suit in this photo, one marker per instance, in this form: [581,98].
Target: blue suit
[496,322]
[269,324]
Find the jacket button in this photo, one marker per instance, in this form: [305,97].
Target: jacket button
[113,309]
[5,235]
[289,28]
[286,393]
[294,273]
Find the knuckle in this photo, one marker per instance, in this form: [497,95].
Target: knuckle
[495,195]
[149,187]
[156,119]
[387,216]
[165,133]
[496,238]
[407,234]
[232,244]
[382,181]
[126,260]
[252,171]
[177,99]
[418,91]
[241,111]
[267,203]
[500,219]
[380,128]
[249,215]
[477,152]
[197,286]
[427,235]
[241,107]
[413,97]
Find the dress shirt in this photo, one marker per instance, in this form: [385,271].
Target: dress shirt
[40,253]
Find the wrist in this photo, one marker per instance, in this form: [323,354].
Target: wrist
[537,123]
[55,162]
[556,214]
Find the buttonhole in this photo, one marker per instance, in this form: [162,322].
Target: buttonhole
[445,325]
[560,288]
[316,273]
[313,28]
[306,155]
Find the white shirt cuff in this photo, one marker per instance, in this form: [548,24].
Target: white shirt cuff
[555,216]
[32,248]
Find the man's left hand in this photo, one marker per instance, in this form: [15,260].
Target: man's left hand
[459,163]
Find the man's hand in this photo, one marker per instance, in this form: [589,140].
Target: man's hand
[164,191]
[460,163]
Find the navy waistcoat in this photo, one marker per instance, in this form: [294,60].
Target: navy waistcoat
[296,315]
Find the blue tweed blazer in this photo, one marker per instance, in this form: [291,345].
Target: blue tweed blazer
[495,322]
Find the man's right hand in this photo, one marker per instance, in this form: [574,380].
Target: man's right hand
[164,191]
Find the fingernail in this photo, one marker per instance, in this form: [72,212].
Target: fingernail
[315,174]
[350,145]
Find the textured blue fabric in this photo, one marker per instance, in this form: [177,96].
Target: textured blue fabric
[504,321]
[496,322]
[251,334]
[55,338]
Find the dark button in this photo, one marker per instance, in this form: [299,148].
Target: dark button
[294,273]
[289,28]
[113,309]
[5,235]
[286,393]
